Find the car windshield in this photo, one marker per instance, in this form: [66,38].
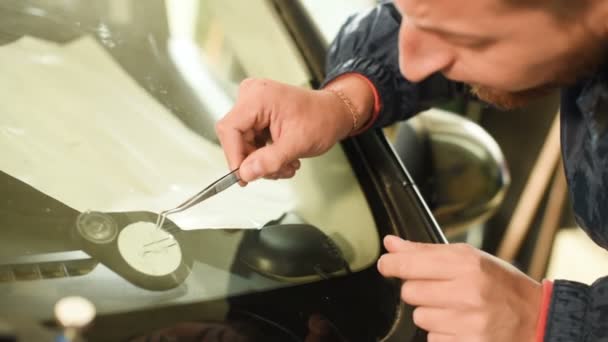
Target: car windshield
[107,118]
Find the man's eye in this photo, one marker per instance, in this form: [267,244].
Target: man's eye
[474,44]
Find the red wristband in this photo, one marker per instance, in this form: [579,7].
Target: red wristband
[544,310]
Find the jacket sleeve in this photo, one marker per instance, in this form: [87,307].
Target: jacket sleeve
[367,44]
[578,312]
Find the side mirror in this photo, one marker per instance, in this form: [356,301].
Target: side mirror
[459,167]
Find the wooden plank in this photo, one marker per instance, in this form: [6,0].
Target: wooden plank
[550,225]
[532,195]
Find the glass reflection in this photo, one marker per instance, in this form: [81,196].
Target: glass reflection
[107,118]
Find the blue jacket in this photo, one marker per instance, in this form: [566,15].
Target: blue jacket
[367,44]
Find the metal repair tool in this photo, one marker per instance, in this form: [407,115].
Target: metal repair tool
[213,189]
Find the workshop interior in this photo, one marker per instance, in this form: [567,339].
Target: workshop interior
[104,104]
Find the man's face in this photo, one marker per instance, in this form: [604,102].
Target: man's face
[508,54]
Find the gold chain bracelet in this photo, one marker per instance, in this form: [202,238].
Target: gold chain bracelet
[349,104]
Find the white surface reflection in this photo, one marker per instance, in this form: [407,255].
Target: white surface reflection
[94,139]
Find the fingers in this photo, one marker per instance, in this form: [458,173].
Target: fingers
[452,325]
[274,160]
[396,244]
[245,132]
[296,164]
[233,142]
[414,260]
[244,150]
[430,293]
[436,337]
[287,171]
[421,261]
[242,128]
[437,320]
[407,266]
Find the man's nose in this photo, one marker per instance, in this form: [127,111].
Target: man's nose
[422,54]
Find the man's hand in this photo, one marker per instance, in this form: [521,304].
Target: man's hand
[273,125]
[463,294]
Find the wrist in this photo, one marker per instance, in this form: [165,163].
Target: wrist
[357,97]
[340,117]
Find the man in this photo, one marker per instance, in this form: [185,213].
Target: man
[394,61]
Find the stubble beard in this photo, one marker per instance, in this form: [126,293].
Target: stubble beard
[585,63]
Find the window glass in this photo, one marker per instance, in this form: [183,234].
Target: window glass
[106,119]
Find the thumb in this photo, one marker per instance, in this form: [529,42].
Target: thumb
[265,161]
[395,244]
